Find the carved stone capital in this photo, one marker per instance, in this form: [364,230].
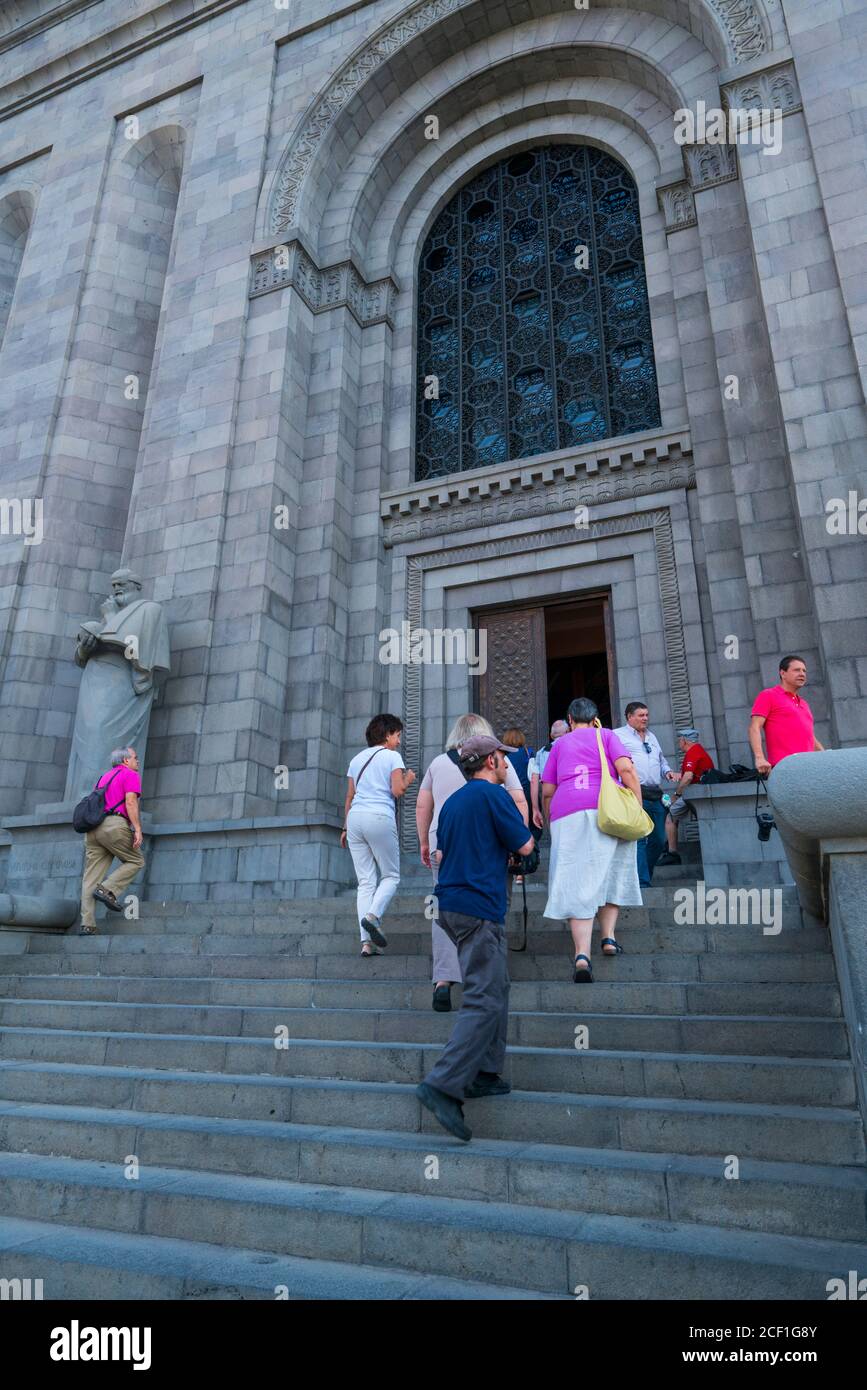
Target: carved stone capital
[709,164]
[678,206]
[289,266]
[774,89]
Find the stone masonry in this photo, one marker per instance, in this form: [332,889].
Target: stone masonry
[210,223]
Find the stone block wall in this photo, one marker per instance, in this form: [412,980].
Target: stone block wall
[227,203]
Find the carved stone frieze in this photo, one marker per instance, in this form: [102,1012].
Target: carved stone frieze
[740,19]
[743,25]
[514,492]
[322,115]
[335,286]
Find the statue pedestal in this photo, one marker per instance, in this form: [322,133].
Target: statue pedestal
[46,856]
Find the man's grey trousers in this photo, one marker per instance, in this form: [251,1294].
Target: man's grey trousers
[478,1040]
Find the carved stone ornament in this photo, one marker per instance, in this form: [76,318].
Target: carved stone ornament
[709,164]
[743,25]
[740,20]
[335,287]
[775,89]
[678,206]
[538,488]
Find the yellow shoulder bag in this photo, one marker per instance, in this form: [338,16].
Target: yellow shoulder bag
[619,814]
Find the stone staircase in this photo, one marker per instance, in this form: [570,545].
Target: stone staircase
[310,1171]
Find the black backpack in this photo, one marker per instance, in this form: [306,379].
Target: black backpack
[91,810]
[738,772]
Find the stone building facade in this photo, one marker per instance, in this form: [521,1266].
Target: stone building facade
[211,223]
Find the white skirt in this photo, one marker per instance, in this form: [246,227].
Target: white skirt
[589,869]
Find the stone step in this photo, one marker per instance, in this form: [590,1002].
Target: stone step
[696,1076]
[556,1251]
[210,1006]
[755,966]
[403,924]
[416,922]
[75,1263]
[405,902]
[779,1133]
[821,1201]
[411,934]
[384,985]
[548,938]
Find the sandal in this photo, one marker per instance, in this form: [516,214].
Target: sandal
[584,975]
[372,952]
[609,941]
[87,931]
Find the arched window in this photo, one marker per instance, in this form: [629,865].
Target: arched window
[521,349]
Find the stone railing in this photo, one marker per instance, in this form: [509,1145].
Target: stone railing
[820,807]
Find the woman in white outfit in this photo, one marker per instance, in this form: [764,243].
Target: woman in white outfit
[377,777]
[591,874]
[443,777]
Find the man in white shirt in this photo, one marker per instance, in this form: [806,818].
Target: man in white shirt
[536,767]
[653,771]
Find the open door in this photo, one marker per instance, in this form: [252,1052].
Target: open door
[540,658]
[513,692]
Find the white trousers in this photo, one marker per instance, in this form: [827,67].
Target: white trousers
[445,953]
[373,844]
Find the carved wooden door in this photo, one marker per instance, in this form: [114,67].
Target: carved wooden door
[513,692]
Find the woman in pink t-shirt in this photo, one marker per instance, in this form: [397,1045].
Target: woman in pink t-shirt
[591,874]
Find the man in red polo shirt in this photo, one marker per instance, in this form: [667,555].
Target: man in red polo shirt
[696,761]
[785,717]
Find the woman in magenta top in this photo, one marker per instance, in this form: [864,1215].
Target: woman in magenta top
[591,874]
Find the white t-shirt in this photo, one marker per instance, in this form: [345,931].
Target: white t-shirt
[375,793]
[444,777]
[536,765]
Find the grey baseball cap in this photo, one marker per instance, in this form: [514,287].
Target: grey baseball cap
[688,733]
[480,746]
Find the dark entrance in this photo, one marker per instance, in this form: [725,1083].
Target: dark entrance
[577,656]
[539,658]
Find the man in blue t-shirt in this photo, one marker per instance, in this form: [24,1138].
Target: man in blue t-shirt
[479,827]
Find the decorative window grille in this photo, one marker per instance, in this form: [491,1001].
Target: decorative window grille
[521,350]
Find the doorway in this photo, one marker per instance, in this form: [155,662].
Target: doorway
[540,658]
[577,657]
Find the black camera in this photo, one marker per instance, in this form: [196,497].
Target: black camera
[524,863]
[766,824]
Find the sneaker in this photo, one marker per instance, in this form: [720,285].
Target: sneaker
[442,999]
[487,1083]
[668,857]
[446,1109]
[105,895]
[371,926]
